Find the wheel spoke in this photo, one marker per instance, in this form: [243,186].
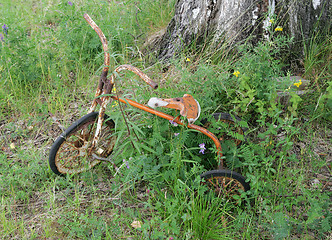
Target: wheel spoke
[71,144]
[229,182]
[226,186]
[215,185]
[69,159]
[79,136]
[68,150]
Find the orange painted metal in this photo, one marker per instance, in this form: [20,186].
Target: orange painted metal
[176,120]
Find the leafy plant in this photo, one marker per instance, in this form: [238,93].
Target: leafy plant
[50,62]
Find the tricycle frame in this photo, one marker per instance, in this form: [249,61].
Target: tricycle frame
[103,96]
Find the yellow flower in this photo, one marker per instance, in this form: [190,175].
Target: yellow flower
[187,60]
[269,144]
[115,104]
[236,73]
[114,90]
[271,20]
[298,84]
[278,29]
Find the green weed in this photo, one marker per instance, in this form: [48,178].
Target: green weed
[50,62]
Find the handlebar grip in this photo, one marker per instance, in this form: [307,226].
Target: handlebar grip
[154,85]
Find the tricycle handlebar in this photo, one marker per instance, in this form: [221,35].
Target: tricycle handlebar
[139,73]
[102,39]
[107,56]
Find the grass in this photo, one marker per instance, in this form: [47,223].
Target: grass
[49,66]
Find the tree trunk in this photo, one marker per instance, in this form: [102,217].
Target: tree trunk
[230,21]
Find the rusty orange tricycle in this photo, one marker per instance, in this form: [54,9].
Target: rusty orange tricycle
[92,138]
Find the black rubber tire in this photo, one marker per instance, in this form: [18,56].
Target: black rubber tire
[225,117]
[68,144]
[220,180]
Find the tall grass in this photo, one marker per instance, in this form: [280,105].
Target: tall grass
[50,62]
[54,48]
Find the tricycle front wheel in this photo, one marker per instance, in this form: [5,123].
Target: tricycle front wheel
[72,151]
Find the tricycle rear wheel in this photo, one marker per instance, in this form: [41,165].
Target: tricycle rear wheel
[232,130]
[225,183]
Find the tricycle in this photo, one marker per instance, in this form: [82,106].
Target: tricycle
[92,138]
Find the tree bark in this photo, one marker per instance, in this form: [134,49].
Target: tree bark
[232,21]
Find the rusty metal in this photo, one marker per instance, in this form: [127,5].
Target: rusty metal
[103,77]
[100,120]
[95,101]
[139,73]
[187,106]
[103,41]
